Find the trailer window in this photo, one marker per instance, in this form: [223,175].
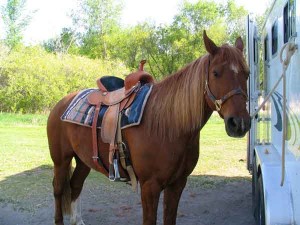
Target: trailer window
[289,20]
[292,18]
[266,49]
[255,50]
[274,38]
[286,32]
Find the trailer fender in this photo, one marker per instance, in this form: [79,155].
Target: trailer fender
[277,198]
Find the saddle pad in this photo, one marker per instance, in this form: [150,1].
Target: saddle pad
[81,112]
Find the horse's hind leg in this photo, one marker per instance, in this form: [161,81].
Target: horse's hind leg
[61,189]
[172,194]
[79,175]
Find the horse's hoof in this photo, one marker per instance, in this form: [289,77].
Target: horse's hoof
[80,222]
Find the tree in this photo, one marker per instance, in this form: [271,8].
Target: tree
[64,43]
[97,19]
[128,44]
[166,47]
[170,47]
[15,20]
[234,17]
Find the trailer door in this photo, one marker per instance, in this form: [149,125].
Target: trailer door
[253,84]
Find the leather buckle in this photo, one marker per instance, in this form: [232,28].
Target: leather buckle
[218,104]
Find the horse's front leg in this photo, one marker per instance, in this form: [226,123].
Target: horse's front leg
[172,194]
[150,198]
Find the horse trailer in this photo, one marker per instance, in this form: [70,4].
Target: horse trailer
[274,104]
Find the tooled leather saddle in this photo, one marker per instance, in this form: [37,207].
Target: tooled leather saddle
[116,94]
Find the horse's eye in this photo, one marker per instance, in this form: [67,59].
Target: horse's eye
[215,73]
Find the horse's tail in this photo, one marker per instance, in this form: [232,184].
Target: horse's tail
[66,197]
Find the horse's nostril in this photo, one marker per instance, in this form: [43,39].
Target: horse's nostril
[237,126]
[233,122]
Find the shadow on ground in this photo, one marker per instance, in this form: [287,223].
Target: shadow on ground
[26,199]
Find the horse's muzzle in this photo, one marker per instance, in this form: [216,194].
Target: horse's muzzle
[237,126]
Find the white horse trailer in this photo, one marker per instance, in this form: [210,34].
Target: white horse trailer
[274,103]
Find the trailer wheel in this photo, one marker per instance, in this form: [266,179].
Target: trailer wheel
[254,189]
[261,203]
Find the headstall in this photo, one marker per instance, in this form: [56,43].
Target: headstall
[219,102]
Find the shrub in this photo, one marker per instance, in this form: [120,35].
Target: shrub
[33,80]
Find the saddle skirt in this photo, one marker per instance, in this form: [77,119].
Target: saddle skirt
[81,112]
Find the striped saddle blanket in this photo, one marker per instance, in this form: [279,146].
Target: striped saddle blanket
[81,112]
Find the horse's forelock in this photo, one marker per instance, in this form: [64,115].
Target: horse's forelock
[233,56]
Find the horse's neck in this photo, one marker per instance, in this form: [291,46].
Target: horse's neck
[177,106]
[206,115]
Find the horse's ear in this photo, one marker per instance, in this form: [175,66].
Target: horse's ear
[209,44]
[239,44]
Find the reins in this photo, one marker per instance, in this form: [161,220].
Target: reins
[219,102]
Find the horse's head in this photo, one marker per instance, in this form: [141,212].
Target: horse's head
[226,85]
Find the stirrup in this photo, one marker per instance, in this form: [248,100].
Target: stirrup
[114,174]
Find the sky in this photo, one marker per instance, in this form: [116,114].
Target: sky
[52,15]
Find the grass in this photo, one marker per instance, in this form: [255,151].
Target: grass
[25,163]
[220,154]
[9,119]
[26,166]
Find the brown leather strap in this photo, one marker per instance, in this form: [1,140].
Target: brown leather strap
[127,102]
[130,171]
[101,86]
[120,143]
[96,156]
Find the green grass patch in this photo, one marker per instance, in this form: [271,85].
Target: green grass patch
[25,163]
[221,155]
[10,119]
[22,148]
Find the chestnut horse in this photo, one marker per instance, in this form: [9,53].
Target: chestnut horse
[164,148]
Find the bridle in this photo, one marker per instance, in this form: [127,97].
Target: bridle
[219,102]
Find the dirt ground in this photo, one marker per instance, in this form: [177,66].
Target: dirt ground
[226,204]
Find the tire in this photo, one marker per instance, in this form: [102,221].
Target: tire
[261,203]
[254,189]
[258,200]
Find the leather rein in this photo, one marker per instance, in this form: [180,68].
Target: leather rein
[219,102]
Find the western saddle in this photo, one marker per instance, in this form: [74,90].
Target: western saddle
[117,94]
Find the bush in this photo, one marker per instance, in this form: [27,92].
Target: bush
[33,80]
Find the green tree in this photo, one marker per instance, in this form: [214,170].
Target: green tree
[170,47]
[128,44]
[15,21]
[235,17]
[166,47]
[98,19]
[64,43]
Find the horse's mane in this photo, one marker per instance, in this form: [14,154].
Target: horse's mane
[176,104]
